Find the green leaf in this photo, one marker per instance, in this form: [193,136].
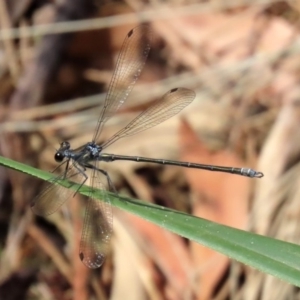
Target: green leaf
[278,258]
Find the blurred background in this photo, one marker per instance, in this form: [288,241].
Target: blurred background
[242,60]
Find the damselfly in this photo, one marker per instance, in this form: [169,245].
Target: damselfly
[97,225]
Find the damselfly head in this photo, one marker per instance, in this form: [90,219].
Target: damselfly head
[60,153]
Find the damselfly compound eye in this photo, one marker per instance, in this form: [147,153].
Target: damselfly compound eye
[58,157]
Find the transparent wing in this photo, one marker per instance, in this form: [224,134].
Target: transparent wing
[169,105]
[97,227]
[53,195]
[133,55]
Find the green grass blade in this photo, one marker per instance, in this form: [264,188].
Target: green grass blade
[278,258]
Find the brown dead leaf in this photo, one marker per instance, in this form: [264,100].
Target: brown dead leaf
[132,277]
[218,197]
[168,251]
[228,37]
[276,36]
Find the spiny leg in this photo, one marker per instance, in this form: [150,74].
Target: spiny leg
[82,173]
[109,181]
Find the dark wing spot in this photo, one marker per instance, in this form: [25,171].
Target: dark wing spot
[81,256]
[130,33]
